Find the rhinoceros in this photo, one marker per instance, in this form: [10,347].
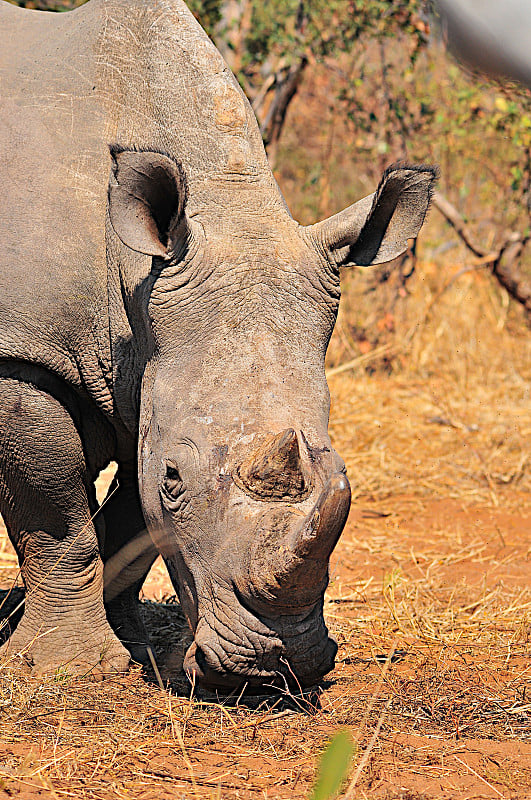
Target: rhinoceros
[160,307]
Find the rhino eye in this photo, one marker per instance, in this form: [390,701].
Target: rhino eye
[172,483]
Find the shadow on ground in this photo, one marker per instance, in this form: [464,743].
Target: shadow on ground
[11,610]
[171,637]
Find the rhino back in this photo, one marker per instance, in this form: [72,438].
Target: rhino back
[141,73]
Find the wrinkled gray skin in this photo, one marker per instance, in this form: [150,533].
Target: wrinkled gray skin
[160,307]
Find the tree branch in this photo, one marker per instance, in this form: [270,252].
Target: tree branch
[503,261]
[284,88]
[452,215]
[505,268]
[285,91]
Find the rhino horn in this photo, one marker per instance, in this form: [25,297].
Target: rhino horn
[275,471]
[290,572]
[315,539]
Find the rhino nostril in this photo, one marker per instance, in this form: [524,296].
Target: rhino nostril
[194,662]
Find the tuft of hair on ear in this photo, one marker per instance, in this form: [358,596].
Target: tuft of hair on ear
[411,176]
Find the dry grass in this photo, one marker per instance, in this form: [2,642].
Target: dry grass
[458,630]
[440,405]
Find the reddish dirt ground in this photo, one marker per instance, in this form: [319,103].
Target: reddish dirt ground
[441,587]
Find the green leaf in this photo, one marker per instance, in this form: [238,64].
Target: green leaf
[334,766]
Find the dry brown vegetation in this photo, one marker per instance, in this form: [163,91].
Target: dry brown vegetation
[430,593]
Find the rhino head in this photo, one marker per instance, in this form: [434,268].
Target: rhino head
[242,491]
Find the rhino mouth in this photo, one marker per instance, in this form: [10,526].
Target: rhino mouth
[237,647]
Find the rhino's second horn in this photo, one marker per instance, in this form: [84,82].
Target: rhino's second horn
[288,567]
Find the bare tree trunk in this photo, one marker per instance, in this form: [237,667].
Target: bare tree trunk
[284,89]
[505,268]
[276,79]
[452,215]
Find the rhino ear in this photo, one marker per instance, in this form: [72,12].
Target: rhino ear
[147,197]
[376,229]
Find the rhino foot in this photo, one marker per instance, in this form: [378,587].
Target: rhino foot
[83,650]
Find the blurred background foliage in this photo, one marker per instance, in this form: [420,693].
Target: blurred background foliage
[342,88]
[49,5]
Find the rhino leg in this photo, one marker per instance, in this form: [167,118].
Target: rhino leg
[128,554]
[44,491]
